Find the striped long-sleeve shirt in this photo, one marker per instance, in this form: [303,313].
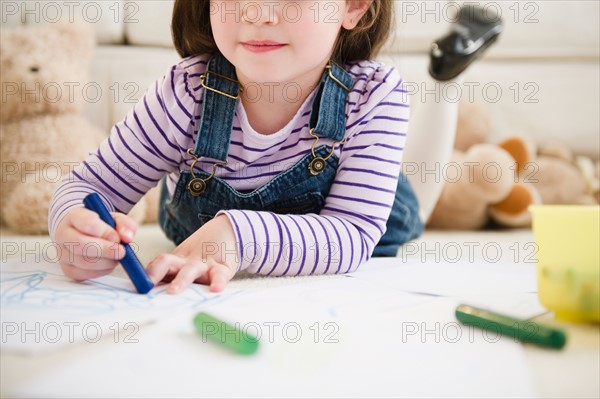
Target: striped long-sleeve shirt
[152,141]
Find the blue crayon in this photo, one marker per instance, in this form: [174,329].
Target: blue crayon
[130,262]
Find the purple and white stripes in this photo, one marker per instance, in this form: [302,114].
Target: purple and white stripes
[153,138]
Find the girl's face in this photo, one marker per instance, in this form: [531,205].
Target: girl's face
[280,40]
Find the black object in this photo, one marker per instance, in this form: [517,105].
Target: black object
[476,28]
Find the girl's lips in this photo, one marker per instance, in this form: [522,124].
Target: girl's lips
[262,46]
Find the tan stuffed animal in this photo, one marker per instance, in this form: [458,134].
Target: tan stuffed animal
[596,189]
[513,211]
[483,181]
[562,178]
[43,133]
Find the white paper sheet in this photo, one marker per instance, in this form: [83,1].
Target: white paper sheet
[42,309]
[451,279]
[339,336]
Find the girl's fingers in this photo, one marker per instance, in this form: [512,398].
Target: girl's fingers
[193,269]
[204,279]
[126,227]
[219,277]
[91,264]
[89,223]
[188,271]
[88,236]
[91,247]
[163,265]
[76,273]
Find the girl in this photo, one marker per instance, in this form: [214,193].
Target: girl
[279,143]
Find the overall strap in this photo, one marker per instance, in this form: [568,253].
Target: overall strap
[221,92]
[328,114]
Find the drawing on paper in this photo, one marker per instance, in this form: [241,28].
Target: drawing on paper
[45,288]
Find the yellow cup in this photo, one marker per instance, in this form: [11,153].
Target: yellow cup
[568,269]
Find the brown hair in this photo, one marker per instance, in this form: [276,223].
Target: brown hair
[192,32]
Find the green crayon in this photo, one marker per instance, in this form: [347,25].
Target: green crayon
[225,334]
[522,330]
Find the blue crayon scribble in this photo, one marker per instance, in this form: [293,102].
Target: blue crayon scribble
[45,290]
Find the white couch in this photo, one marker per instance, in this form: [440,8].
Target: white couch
[541,79]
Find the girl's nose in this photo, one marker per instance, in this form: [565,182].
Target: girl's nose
[260,12]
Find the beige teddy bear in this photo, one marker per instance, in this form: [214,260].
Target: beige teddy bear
[596,188]
[498,182]
[43,133]
[482,180]
[563,178]
[513,211]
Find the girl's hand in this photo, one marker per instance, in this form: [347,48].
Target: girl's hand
[209,256]
[90,248]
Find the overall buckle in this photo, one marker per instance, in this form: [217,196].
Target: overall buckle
[207,87]
[317,165]
[197,186]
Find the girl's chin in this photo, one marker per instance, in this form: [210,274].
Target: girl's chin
[263,77]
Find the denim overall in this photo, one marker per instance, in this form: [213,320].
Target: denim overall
[301,189]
